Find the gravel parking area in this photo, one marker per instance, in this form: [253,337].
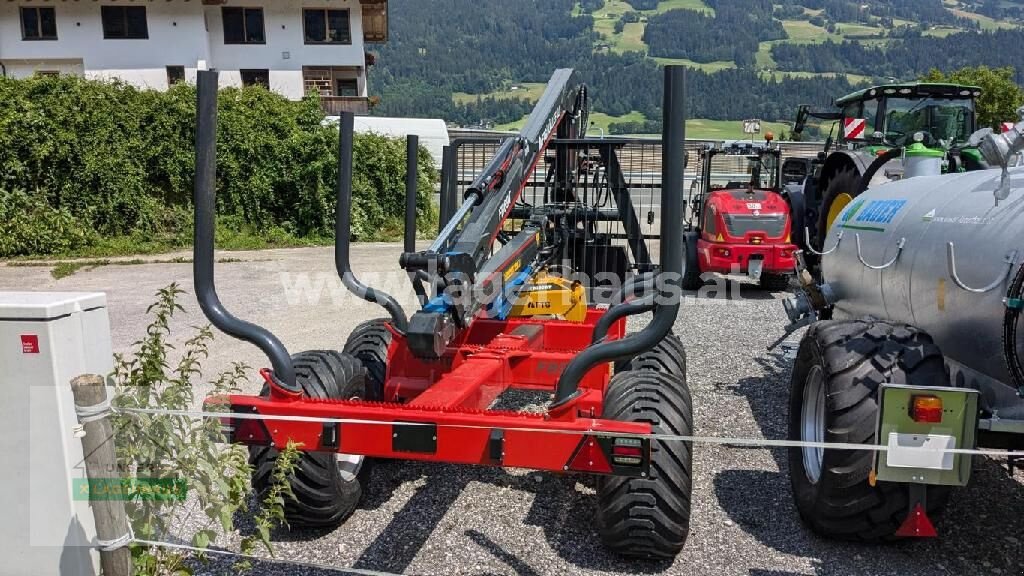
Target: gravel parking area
[437,519]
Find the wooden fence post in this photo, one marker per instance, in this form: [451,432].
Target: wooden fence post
[90,391]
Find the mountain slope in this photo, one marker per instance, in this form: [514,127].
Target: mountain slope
[460,59]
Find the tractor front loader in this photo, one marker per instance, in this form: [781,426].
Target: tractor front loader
[491,319]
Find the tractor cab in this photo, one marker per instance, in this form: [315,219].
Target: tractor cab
[739,221]
[878,134]
[892,114]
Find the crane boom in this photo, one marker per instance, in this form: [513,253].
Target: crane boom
[460,260]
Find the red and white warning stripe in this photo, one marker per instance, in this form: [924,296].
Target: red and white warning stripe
[854,127]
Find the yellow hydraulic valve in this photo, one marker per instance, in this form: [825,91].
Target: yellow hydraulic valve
[552,296]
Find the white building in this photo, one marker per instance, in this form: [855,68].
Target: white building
[291,46]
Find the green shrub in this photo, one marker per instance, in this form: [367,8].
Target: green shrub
[121,160]
[29,225]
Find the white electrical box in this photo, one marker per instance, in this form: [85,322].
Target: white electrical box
[46,339]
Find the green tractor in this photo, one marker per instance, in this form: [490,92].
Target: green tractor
[885,133]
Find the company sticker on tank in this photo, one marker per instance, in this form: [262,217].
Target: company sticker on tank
[873,215]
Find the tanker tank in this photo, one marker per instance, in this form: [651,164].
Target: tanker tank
[938,253]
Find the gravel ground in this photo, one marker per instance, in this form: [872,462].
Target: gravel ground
[438,519]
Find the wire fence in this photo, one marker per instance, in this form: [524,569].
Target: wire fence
[595,431]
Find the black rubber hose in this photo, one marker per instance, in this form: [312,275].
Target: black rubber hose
[1013,308]
[343,230]
[669,290]
[205,220]
[880,161]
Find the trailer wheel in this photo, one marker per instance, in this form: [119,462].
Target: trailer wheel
[774,282]
[667,356]
[691,265]
[649,517]
[842,189]
[834,398]
[369,342]
[327,486]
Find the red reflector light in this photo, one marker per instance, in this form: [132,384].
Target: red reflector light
[590,458]
[627,451]
[926,409]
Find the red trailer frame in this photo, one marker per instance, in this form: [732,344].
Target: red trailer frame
[439,410]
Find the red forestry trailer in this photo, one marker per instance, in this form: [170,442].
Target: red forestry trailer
[422,387]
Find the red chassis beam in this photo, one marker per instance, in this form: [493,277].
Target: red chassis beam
[437,410]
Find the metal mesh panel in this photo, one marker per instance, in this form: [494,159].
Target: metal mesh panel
[609,171]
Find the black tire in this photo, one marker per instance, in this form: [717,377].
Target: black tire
[369,342]
[649,517]
[323,498]
[691,266]
[774,282]
[854,358]
[667,356]
[846,181]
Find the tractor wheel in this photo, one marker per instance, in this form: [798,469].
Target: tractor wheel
[834,398]
[667,357]
[774,282]
[369,342]
[842,189]
[649,517]
[327,486]
[691,265]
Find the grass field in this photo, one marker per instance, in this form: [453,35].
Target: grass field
[985,22]
[729,129]
[695,128]
[528,90]
[631,37]
[705,66]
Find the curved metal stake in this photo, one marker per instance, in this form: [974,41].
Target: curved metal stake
[899,250]
[810,248]
[951,265]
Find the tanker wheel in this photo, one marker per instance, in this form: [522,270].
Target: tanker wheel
[834,398]
[649,517]
[691,265]
[326,486]
[842,189]
[774,282]
[667,356]
[369,343]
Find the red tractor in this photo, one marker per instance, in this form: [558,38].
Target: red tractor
[739,222]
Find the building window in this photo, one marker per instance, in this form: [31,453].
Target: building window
[243,26]
[124,22]
[256,77]
[175,74]
[323,26]
[347,87]
[38,23]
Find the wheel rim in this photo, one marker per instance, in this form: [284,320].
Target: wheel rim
[840,202]
[812,422]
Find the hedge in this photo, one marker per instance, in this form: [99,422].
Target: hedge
[81,159]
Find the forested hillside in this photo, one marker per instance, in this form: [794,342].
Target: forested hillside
[468,61]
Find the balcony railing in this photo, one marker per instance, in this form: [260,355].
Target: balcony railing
[335,105]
